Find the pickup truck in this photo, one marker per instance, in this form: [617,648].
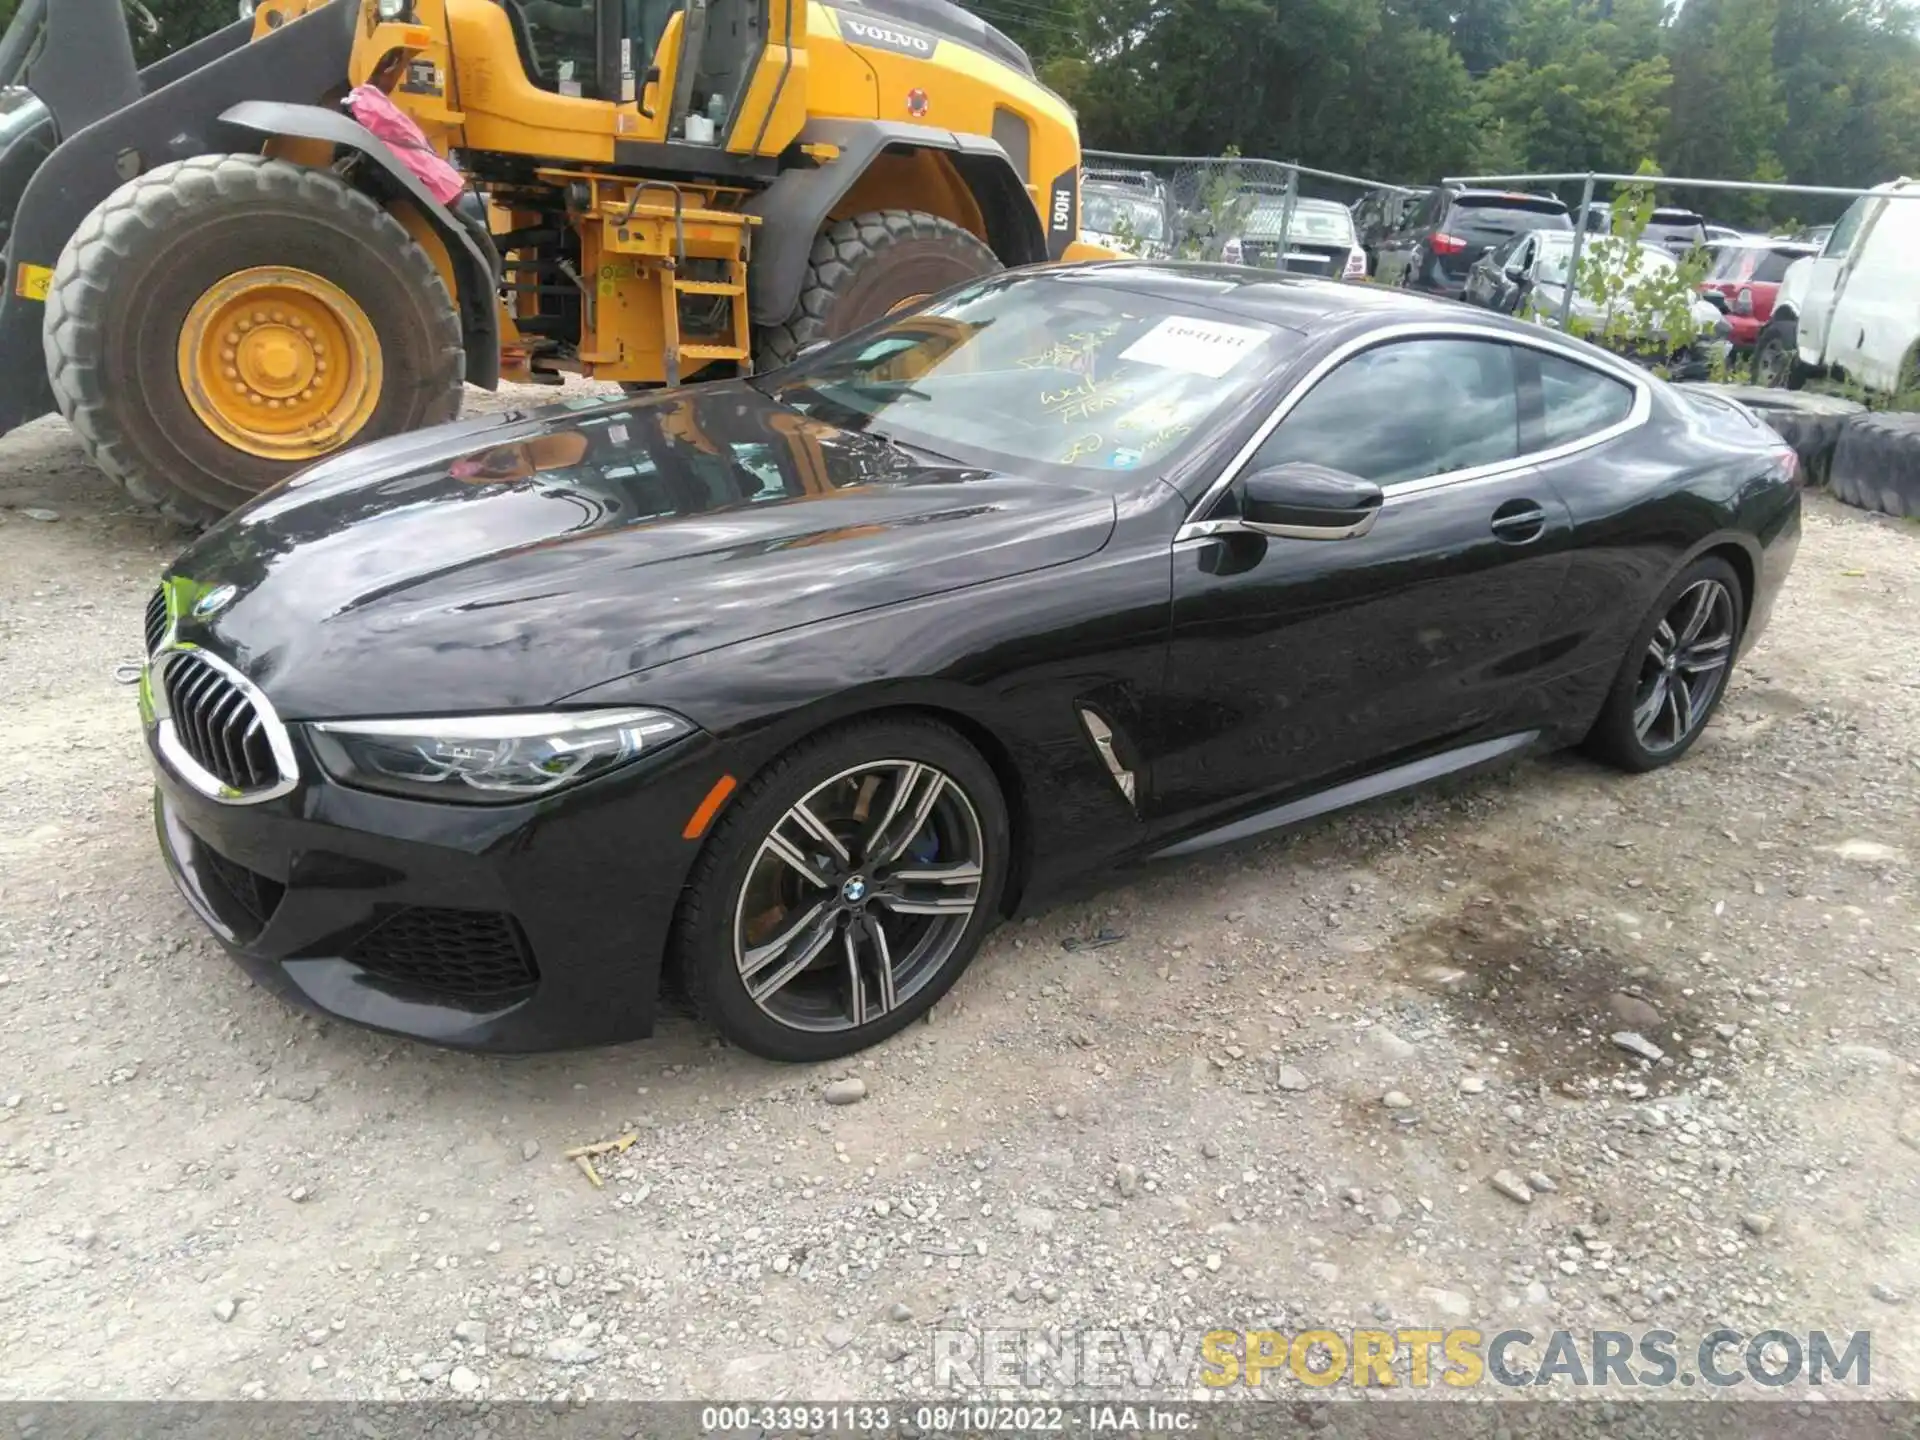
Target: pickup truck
[1853,310]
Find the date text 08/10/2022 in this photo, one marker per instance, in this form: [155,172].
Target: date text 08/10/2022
[942,1418]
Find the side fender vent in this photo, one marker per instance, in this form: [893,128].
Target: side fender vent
[1101,734]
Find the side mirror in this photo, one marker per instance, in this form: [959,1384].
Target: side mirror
[1516,271]
[1303,501]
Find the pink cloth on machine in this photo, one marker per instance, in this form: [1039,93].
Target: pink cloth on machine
[375,110]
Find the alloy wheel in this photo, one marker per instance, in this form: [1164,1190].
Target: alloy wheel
[1684,667]
[859,895]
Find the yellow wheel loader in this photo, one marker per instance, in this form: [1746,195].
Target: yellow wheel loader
[218,274]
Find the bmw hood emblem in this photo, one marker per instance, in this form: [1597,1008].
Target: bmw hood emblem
[214,601]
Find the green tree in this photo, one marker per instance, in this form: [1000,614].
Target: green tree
[1727,109]
[1585,88]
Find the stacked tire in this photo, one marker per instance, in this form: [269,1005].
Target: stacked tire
[1876,464]
[1811,423]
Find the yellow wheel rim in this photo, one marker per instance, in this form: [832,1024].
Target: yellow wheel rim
[280,363]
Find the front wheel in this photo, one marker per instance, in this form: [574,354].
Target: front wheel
[845,890]
[220,323]
[1675,673]
[1776,356]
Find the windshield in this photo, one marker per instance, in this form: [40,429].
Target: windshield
[1311,223]
[1557,254]
[1038,372]
[1110,212]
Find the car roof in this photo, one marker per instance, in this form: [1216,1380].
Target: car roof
[1479,192]
[1767,242]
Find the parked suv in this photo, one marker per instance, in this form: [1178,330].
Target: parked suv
[1126,210]
[1745,281]
[1378,213]
[1435,246]
[1319,239]
[1679,232]
[1674,230]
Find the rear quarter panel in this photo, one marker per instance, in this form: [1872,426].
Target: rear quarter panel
[1700,476]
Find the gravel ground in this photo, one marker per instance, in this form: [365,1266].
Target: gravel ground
[1290,1086]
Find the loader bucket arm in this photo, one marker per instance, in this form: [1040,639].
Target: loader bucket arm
[76,56]
[79,120]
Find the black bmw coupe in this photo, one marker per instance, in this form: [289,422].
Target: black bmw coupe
[780,692]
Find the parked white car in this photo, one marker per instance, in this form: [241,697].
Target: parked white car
[1853,309]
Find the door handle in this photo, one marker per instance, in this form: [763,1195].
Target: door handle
[1519,521]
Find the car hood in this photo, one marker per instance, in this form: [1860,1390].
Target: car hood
[510,561]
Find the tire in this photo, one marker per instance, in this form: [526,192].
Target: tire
[1806,419]
[128,282]
[1617,737]
[865,266]
[742,898]
[1876,464]
[1776,356]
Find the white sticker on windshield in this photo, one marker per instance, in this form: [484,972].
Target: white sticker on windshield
[1200,347]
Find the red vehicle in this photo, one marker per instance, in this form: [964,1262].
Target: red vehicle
[1745,280]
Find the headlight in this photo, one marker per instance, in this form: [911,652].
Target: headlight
[489,759]
[394,9]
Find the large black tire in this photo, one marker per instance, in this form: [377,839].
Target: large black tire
[1615,738]
[1776,355]
[865,266]
[125,283]
[704,966]
[1806,419]
[1876,465]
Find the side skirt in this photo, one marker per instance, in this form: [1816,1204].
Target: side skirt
[1354,792]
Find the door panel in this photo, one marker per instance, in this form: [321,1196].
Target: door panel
[1823,283]
[1294,663]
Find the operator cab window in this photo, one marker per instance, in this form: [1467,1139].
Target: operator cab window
[559,43]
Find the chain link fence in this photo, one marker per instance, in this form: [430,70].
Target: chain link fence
[1267,213]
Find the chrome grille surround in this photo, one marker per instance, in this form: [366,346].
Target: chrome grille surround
[216,731]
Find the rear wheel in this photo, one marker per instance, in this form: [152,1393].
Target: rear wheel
[844,891]
[1675,672]
[220,323]
[868,266]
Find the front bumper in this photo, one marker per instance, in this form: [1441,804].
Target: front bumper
[529,927]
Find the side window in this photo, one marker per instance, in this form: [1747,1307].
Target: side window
[1406,410]
[1841,240]
[1577,401]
